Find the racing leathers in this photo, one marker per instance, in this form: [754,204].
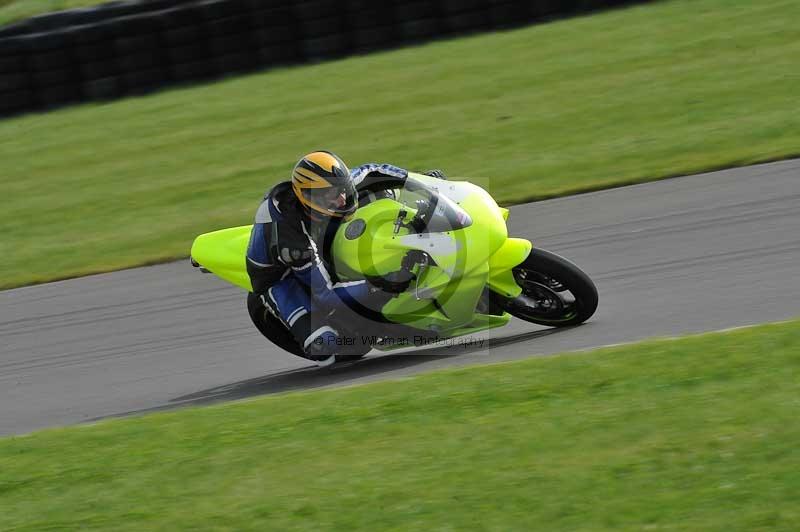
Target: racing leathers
[288,260]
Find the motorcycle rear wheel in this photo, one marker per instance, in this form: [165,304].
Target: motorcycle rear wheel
[555,292]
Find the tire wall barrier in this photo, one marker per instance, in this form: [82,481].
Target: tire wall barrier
[135,47]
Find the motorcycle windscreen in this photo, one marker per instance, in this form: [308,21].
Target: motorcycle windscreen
[447,216]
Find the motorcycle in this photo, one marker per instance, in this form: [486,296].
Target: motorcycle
[451,238]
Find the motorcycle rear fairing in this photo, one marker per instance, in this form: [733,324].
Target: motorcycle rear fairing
[223,253]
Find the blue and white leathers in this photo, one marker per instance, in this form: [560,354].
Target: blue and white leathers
[287,263]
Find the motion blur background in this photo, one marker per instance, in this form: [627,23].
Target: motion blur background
[134,47]
[128,128]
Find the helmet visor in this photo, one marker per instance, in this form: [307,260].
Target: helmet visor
[339,200]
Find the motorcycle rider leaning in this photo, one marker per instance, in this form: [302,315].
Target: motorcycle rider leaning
[288,256]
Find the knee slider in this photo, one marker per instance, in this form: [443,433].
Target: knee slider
[317,342]
[321,343]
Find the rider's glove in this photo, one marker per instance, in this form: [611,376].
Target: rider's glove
[436,173]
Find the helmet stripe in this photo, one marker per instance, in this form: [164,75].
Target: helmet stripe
[309,182]
[324,160]
[307,174]
[315,169]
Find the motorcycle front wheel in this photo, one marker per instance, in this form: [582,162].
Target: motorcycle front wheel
[555,292]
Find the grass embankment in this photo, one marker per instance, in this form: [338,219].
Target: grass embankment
[691,434]
[15,10]
[625,96]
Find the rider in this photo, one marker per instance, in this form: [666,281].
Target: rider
[288,256]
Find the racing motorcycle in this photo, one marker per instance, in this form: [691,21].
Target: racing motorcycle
[451,238]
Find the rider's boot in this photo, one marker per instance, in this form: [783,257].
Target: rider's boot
[321,346]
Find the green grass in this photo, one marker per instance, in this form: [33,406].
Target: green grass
[625,96]
[14,10]
[691,434]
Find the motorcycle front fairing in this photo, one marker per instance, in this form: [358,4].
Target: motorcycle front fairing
[464,258]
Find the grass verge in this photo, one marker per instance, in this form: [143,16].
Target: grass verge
[690,434]
[625,96]
[15,10]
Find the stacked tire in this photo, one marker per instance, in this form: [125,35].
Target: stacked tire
[96,59]
[52,69]
[15,87]
[138,54]
[466,16]
[322,26]
[230,49]
[184,37]
[274,35]
[137,46]
[371,25]
[418,20]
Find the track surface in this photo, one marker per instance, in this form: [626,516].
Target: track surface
[672,257]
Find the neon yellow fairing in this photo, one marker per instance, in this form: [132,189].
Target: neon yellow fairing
[512,253]
[466,260]
[445,296]
[223,253]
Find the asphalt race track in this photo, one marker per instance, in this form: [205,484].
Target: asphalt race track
[678,256]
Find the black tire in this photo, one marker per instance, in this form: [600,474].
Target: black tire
[100,35]
[13,64]
[555,292]
[271,35]
[191,71]
[185,16]
[278,54]
[15,45]
[187,54]
[145,81]
[218,9]
[14,102]
[87,53]
[13,82]
[506,15]
[136,44]
[234,25]
[52,97]
[271,327]
[469,21]
[52,60]
[231,44]
[420,29]
[325,47]
[139,61]
[311,9]
[45,41]
[183,35]
[459,6]
[48,78]
[414,11]
[54,21]
[316,28]
[101,89]
[277,333]
[233,63]
[99,69]
[271,17]
[368,39]
[368,17]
